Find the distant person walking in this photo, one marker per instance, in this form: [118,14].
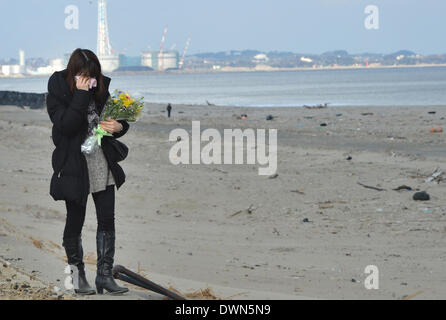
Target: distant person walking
[169,110]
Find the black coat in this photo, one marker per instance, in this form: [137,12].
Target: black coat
[68,113]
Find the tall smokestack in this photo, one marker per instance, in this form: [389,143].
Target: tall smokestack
[22,58]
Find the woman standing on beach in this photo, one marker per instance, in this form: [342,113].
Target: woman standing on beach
[76,97]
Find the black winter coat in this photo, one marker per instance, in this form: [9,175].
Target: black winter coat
[68,113]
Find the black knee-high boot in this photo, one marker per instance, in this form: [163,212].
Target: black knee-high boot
[75,254]
[105,242]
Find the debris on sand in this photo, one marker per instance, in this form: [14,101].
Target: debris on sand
[15,284]
[437,129]
[299,191]
[371,187]
[220,170]
[319,106]
[240,117]
[249,210]
[326,205]
[413,295]
[200,294]
[269,117]
[403,187]
[437,175]
[274,176]
[421,196]
[206,294]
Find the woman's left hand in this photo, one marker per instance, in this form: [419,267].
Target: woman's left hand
[111,125]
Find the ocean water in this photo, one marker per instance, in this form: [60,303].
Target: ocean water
[360,87]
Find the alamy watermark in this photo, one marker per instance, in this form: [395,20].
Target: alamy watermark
[72,280]
[72,18]
[371,22]
[372,280]
[219,149]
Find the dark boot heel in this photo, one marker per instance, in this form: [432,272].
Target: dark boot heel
[100,290]
[105,242]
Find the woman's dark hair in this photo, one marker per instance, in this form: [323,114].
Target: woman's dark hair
[85,62]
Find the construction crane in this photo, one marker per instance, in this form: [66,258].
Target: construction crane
[181,63]
[160,55]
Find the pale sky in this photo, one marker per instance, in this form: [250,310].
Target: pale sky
[308,26]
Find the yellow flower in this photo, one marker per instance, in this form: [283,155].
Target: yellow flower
[127,102]
[126,99]
[115,100]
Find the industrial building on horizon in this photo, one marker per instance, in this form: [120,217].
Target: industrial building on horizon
[13,69]
[161,60]
[21,69]
[152,60]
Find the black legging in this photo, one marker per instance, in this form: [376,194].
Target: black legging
[105,212]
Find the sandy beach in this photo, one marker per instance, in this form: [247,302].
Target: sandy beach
[226,231]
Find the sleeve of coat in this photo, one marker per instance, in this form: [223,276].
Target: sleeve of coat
[67,120]
[125,128]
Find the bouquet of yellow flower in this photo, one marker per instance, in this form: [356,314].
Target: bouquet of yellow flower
[120,106]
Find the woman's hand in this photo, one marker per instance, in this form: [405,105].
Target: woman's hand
[83,83]
[111,126]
